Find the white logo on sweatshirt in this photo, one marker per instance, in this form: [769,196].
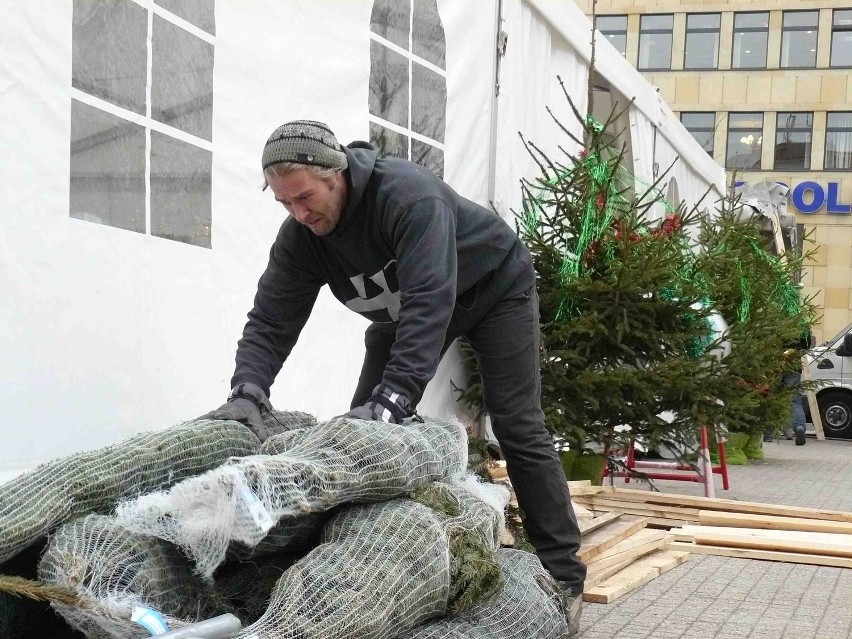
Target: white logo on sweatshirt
[385,298]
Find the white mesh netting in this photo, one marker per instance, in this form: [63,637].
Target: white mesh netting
[372,570]
[302,472]
[381,570]
[115,571]
[34,503]
[527,607]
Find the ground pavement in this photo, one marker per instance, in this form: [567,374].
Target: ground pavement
[726,598]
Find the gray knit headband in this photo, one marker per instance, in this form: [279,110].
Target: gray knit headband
[304,142]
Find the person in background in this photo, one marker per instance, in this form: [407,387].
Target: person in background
[793,379]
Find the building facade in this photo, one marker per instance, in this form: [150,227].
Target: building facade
[765,88]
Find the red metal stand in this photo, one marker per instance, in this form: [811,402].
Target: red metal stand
[704,475]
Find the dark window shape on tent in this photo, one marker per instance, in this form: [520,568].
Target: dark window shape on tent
[389,88]
[408,81]
[107,169]
[118,137]
[392,21]
[182,80]
[427,38]
[180,190]
[109,51]
[197,12]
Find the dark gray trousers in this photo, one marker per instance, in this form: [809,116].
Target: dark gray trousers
[505,339]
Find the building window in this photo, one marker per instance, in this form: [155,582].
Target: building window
[655,42]
[702,41]
[841,38]
[838,140]
[142,117]
[614,29]
[793,135]
[799,39]
[745,141]
[702,126]
[751,32]
[408,81]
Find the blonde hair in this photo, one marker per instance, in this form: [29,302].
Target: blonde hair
[283,168]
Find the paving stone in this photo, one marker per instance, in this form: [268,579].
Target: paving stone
[728,598]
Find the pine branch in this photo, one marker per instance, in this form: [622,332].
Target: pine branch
[27,588]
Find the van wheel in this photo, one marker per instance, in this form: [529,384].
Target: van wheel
[835,408]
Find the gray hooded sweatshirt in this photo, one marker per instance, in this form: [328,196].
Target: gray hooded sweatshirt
[407,247]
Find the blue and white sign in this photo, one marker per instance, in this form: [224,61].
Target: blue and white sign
[809,197]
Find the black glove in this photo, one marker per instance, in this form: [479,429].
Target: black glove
[247,404]
[385,405]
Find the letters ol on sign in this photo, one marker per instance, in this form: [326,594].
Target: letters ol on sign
[809,197]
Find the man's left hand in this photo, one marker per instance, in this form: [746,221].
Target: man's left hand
[385,406]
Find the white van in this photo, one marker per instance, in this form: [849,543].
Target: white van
[830,363]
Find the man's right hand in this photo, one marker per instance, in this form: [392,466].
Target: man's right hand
[246,404]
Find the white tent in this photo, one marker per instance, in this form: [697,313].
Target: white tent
[133,228]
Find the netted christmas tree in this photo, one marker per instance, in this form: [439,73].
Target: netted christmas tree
[344,528]
[624,332]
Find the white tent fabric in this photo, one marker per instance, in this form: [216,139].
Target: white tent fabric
[535,55]
[107,332]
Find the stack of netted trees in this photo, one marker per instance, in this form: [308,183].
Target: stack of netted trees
[345,528]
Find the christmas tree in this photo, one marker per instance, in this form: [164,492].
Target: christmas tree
[624,330]
[769,323]
[628,284]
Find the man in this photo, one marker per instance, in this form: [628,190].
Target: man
[793,379]
[397,245]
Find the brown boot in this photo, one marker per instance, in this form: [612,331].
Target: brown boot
[572,602]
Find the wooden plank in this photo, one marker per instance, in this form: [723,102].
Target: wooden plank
[585,488]
[638,508]
[581,511]
[765,555]
[813,406]
[771,522]
[595,577]
[707,503]
[792,536]
[635,575]
[637,545]
[740,540]
[656,522]
[601,540]
[589,525]
[498,470]
[650,522]
[680,534]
